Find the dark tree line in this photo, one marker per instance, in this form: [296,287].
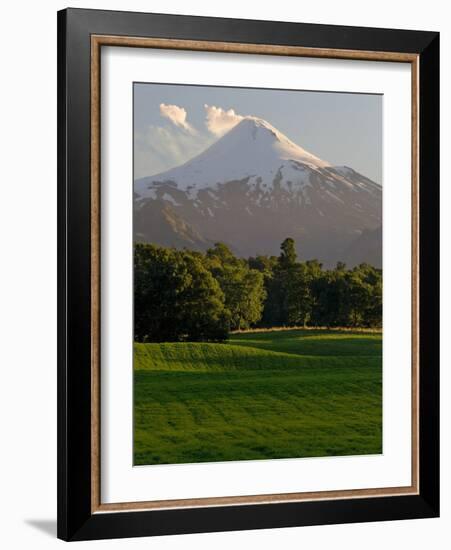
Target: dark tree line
[186,295]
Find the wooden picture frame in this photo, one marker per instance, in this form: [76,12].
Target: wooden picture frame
[81,35]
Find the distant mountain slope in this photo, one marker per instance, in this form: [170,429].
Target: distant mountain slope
[251,189]
[366,248]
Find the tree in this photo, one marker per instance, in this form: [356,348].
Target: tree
[264,264]
[157,279]
[358,296]
[289,300]
[222,254]
[176,297]
[243,287]
[288,255]
[371,314]
[200,305]
[187,295]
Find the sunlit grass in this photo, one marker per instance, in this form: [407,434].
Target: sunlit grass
[275,394]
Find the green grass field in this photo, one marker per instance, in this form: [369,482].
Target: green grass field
[263,395]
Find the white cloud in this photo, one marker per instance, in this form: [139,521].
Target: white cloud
[220,121]
[157,149]
[177,115]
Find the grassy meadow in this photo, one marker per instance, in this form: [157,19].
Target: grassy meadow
[261,395]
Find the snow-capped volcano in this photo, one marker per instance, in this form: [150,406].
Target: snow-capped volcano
[258,150]
[252,188]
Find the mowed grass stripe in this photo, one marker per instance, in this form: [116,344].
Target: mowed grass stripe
[207,357]
[312,342]
[252,398]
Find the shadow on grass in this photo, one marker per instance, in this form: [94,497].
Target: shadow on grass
[312,344]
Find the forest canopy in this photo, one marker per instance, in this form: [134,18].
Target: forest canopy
[183,295]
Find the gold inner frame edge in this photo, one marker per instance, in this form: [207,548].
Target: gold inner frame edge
[97,41]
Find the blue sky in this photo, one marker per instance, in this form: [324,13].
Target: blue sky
[171,125]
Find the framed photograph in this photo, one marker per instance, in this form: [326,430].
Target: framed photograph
[248,274]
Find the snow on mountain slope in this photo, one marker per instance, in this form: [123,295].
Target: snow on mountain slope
[253,148]
[251,189]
